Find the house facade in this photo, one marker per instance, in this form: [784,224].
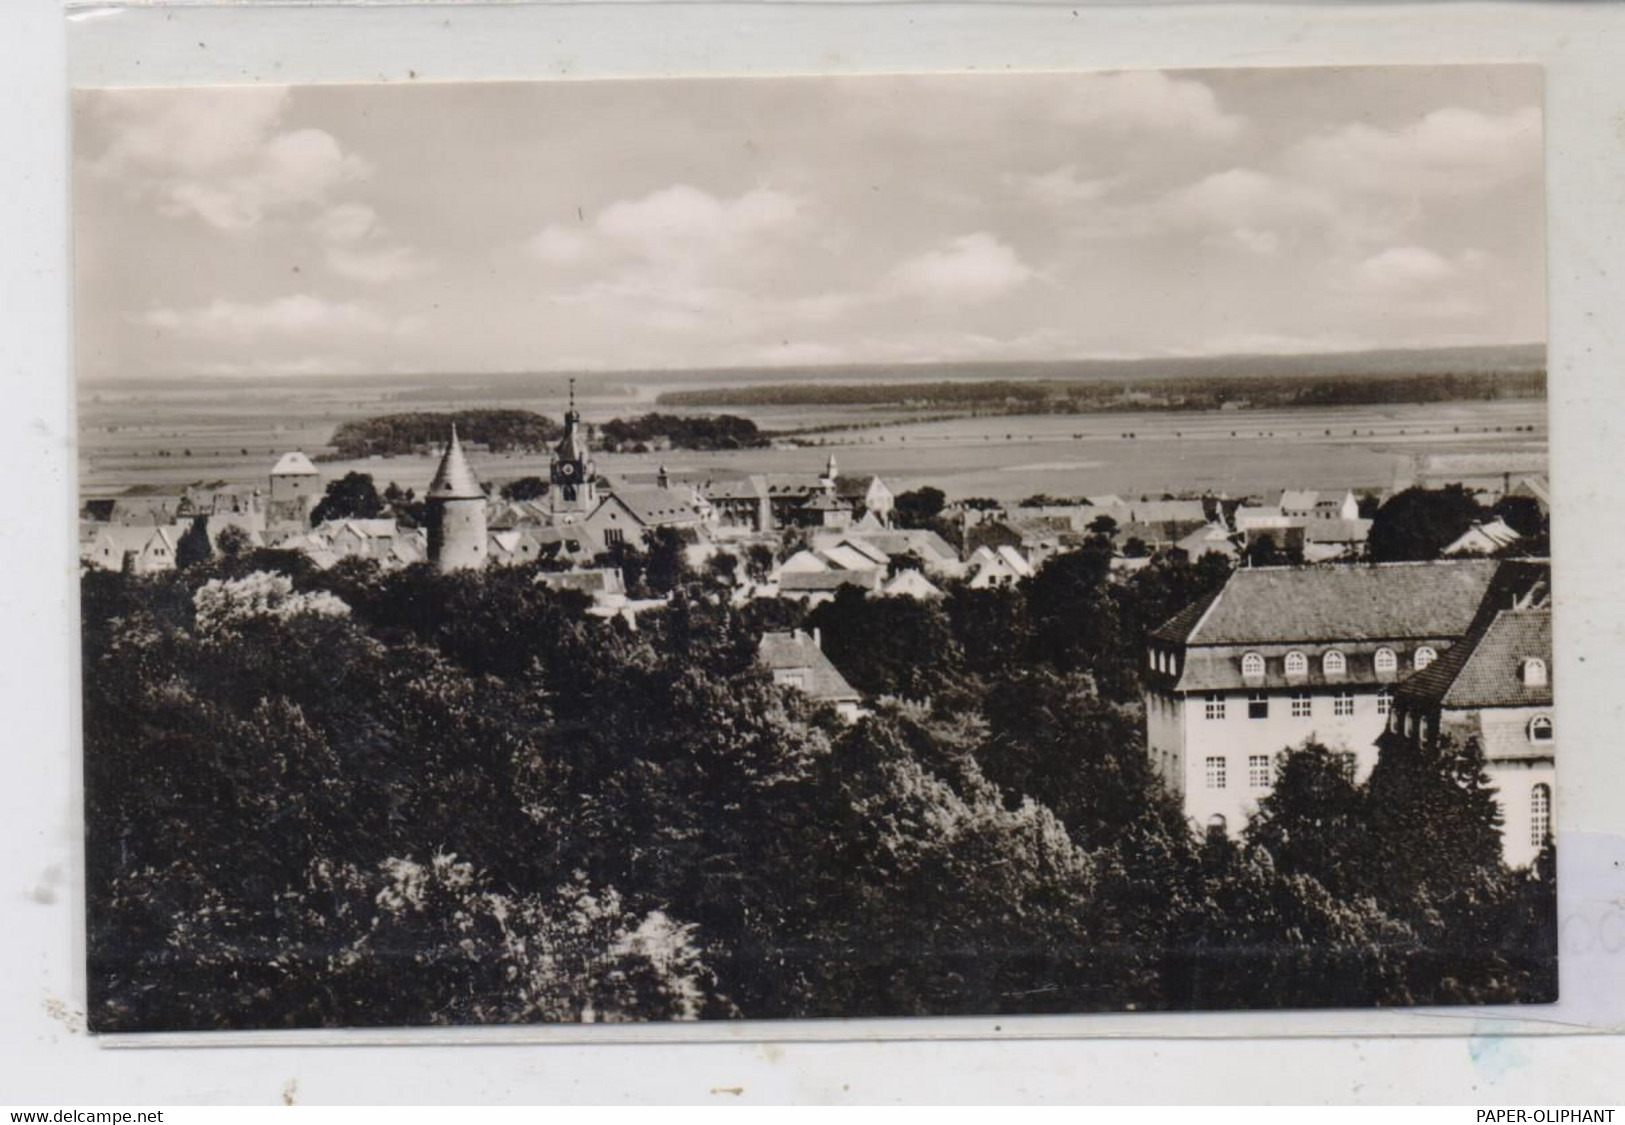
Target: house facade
[1495,688]
[1279,655]
[796,659]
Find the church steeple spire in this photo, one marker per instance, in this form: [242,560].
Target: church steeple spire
[573,472]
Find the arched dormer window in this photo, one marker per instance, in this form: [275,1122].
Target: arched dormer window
[1334,664]
[1424,656]
[1540,728]
[1534,672]
[1387,661]
[1297,664]
[1252,666]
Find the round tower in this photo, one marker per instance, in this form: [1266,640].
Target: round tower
[457,534]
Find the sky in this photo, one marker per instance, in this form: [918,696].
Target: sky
[651,224]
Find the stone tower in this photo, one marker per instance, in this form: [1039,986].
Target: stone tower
[574,476]
[457,535]
[296,488]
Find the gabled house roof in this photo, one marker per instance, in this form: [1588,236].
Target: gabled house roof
[753,487]
[294,464]
[927,544]
[1486,668]
[1383,601]
[820,581]
[655,507]
[1536,488]
[796,651]
[793,484]
[1297,499]
[1208,538]
[824,502]
[855,554]
[1167,511]
[909,583]
[855,487]
[1486,536]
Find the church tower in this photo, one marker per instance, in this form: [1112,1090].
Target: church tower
[457,536]
[574,476]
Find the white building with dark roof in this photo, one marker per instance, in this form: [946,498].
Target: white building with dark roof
[1282,654]
[1495,688]
[296,489]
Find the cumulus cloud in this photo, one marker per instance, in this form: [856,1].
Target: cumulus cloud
[1405,267]
[971,267]
[184,131]
[1152,101]
[561,245]
[299,313]
[677,222]
[293,169]
[376,267]
[1061,187]
[1446,152]
[1418,283]
[1245,197]
[222,157]
[357,246]
[345,223]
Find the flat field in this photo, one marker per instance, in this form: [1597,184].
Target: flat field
[161,438]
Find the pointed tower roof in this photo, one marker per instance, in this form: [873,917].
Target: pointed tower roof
[294,464]
[455,480]
[574,445]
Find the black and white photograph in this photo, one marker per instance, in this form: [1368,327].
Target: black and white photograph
[785,548]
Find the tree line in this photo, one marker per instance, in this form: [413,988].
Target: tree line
[356,797]
[1184,393]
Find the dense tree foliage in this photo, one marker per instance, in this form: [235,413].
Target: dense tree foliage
[1419,523]
[421,431]
[352,496]
[364,797]
[918,507]
[524,488]
[1135,392]
[679,431]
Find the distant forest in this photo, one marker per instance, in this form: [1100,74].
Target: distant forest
[1059,396]
[526,431]
[420,431]
[724,431]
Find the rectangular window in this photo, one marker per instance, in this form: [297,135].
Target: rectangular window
[1385,701]
[612,536]
[1343,703]
[1302,705]
[1258,771]
[1213,707]
[1215,773]
[1258,705]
